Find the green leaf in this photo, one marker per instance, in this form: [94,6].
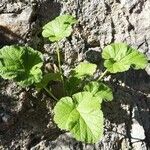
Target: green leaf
[84,69]
[23,64]
[99,90]
[76,80]
[59,28]
[119,57]
[81,115]
[72,85]
[46,79]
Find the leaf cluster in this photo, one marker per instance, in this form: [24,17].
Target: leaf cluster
[79,110]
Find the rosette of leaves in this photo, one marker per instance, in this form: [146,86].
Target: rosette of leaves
[59,28]
[119,57]
[22,64]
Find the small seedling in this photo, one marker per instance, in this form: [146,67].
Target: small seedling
[79,110]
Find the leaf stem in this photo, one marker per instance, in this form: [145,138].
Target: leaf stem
[50,93]
[103,74]
[59,66]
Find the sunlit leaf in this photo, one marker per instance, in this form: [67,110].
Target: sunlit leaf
[22,64]
[99,90]
[119,57]
[81,115]
[59,28]
[84,69]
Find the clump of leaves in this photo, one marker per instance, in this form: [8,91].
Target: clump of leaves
[79,110]
[75,113]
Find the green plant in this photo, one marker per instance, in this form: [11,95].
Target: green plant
[79,110]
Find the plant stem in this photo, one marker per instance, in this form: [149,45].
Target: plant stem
[50,93]
[103,74]
[59,66]
[58,58]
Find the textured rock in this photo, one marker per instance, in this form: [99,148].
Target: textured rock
[14,27]
[103,22]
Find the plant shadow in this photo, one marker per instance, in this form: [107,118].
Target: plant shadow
[8,37]
[131,102]
[32,122]
[47,11]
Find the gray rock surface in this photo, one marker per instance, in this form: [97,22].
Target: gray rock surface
[127,118]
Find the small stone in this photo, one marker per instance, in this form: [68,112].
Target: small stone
[137,131]
[148,69]
[6,118]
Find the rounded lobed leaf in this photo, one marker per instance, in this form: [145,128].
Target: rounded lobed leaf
[59,28]
[22,64]
[81,115]
[84,69]
[119,57]
[100,90]
[81,71]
